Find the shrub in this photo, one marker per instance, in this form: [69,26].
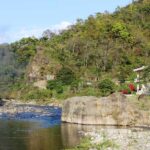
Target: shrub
[106,87]
[59,89]
[146,75]
[66,76]
[86,143]
[55,85]
[89,91]
[132,87]
[38,94]
[74,86]
[122,78]
[52,84]
[125,89]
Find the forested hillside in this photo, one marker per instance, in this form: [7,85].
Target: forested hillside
[104,47]
[7,68]
[10,70]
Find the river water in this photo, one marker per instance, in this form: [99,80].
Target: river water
[40,128]
[36,131]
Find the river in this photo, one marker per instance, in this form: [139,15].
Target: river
[36,131]
[29,127]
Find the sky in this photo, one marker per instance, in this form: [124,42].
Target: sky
[24,18]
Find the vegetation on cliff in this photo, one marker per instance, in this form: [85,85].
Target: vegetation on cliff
[102,47]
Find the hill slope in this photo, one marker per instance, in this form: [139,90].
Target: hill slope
[102,46]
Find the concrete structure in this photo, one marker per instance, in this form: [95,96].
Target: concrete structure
[141,88]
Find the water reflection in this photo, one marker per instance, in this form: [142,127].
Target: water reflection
[45,139]
[25,135]
[13,135]
[21,135]
[70,134]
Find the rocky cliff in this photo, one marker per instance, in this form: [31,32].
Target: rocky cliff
[41,68]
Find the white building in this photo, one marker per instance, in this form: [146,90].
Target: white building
[141,88]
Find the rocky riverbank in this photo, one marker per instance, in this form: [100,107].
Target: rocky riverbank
[120,139]
[107,137]
[13,109]
[115,109]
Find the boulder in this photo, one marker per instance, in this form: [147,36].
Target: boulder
[1,102]
[115,109]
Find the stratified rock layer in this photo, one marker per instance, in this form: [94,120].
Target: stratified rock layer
[113,110]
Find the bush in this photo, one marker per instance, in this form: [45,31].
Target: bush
[122,78]
[55,85]
[106,87]
[125,89]
[52,84]
[59,89]
[103,145]
[89,91]
[66,76]
[38,94]
[74,86]
[132,87]
[146,75]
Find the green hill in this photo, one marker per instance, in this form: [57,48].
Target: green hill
[104,47]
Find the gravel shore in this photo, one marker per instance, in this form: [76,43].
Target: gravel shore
[125,139]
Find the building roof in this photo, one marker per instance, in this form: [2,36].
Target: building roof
[140,69]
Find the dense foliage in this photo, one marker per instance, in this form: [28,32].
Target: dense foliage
[106,87]
[66,76]
[100,47]
[106,44]
[10,70]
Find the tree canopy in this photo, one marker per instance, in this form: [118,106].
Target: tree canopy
[102,46]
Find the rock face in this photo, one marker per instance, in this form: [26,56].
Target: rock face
[40,84]
[113,110]
[41,69]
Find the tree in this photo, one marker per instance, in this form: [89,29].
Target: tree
[66,76]
[119,30]
[55,85]
[106,87]
[48,34]
[146,75]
